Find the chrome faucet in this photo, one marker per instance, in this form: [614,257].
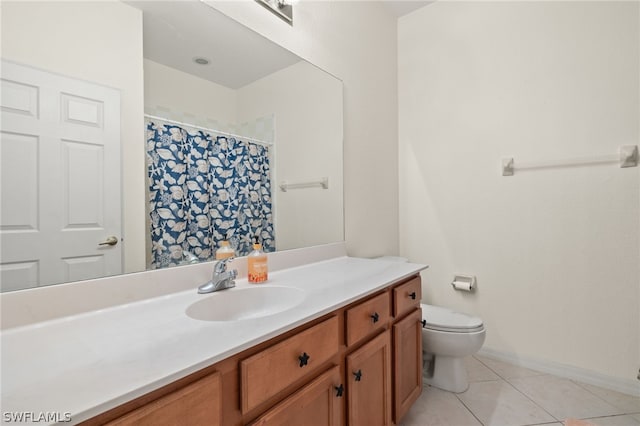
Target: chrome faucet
[221,279]
[189,257]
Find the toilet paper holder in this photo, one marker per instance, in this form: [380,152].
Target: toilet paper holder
[464,282]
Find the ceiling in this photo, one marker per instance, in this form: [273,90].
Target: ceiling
[402,7]
[175,32]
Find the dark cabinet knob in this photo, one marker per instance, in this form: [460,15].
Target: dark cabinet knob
[358,375]
[339,390]
[412,295]
[304,359]
[424,323]
[375,317]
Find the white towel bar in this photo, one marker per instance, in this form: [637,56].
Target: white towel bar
[627,157]
[321,182]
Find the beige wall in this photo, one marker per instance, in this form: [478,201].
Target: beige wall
[77,39]
[556,251]
[355,41]
[185,94]
[307,105]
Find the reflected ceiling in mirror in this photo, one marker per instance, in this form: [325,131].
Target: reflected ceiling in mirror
[250,87]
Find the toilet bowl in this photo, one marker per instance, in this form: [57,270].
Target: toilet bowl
[447,338]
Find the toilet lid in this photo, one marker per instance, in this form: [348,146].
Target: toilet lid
[443,319]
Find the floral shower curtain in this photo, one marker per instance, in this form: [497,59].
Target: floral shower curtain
[203,189]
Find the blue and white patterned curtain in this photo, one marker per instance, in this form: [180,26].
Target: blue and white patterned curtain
[203,189]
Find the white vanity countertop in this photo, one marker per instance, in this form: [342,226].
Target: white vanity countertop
[88,363]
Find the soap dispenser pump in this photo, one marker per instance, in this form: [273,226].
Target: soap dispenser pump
[257,263]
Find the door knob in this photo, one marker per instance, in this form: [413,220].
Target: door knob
[110,241]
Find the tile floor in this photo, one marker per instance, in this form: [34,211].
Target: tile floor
[502,394]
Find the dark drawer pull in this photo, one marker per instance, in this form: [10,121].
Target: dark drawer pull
[375,317]
[358,375]
[412,295]
[304,359]
[424,323]
[339,390]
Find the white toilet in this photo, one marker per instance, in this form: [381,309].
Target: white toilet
[447,338]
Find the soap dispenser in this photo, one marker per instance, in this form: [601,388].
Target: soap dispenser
[225,251]
[257,263]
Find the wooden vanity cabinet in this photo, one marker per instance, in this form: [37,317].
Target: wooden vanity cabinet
[369,383]
[365,318]
[393,359]
[407,368]
[358,365]
[406,297]
[196,404]
[272,370]
[407,346]
[320,403]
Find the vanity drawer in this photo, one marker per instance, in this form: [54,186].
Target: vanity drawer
[270,371]
[367,317]
[406,297]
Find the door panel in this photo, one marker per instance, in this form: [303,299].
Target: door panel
[316,404]
[407,347]
[369,383]
[60,187]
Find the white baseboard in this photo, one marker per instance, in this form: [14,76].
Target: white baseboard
[629,387]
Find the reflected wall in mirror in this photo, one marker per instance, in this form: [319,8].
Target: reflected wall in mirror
[250,88]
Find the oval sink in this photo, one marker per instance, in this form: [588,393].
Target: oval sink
[245,303]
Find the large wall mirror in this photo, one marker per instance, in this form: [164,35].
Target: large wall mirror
[116,115]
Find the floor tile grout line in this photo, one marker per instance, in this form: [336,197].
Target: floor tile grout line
[538,372]
[598,396]
[491,369]
[555,420]
[468,409]
[581,387]
[504,379]
[606,417]
[535,403]
[630,411]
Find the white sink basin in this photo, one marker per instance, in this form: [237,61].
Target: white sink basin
[245,303]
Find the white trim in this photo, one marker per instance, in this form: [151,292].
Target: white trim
[629,387]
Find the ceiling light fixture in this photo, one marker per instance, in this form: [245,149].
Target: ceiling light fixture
[282,8]
[201,61]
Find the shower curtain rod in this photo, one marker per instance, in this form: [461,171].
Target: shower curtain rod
[258,141]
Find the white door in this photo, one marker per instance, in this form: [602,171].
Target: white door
[60,179]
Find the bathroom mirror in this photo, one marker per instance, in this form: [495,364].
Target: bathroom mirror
[250,89]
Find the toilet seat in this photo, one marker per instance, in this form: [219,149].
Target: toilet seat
[446,320]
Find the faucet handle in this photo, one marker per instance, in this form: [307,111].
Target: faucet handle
[221,265]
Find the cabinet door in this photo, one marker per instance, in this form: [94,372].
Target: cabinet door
[317,404]
[196,404]
[407,370]
[369,383]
